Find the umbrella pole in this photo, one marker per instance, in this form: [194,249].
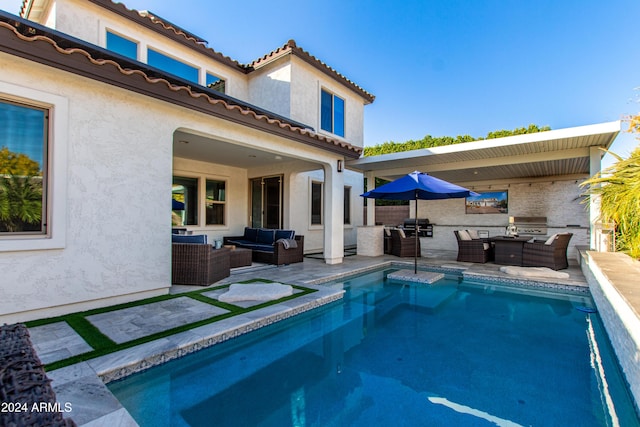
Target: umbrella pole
[415,250]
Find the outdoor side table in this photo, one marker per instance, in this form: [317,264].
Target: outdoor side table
[508,250]
[240,257]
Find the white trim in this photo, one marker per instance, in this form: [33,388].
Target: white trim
[57,169]
[103,40]
[350,223]
[529,138]
[333,94]
[311,225]
[202,178]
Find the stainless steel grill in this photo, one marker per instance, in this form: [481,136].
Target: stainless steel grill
[533,225]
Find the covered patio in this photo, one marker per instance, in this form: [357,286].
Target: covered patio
[539,175]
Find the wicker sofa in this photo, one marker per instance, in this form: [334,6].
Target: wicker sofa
[194,262]
[473,250]
[269,245]
[551,253]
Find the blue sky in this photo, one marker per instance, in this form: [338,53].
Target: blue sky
[445,67]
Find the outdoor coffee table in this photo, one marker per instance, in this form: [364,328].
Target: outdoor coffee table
[240,257]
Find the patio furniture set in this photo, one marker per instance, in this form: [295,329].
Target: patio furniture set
[518,250]
[195,262]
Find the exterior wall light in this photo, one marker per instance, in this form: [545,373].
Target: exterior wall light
[339,165]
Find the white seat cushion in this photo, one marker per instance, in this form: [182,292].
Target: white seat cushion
[463,235]
[551,239]
[473,234]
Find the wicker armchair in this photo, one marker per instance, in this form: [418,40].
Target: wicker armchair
[403,246]
[475,250]
[198,264]
[553,255]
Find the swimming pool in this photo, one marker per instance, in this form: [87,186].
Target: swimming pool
[394,353]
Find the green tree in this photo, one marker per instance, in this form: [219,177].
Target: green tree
[429,141]
[20,192]
[20,203]
[618,188]
[17,164]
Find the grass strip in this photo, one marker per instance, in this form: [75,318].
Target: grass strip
[89,332]
[216,303]
[104,345]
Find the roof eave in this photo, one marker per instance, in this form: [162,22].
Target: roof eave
[46,51]
[612,128]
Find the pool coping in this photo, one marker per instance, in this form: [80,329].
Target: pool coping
[96,373]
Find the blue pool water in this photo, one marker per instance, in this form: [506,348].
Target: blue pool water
[398,354]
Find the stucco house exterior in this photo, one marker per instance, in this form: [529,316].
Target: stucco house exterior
[126,106]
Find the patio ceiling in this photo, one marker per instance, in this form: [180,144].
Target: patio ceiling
[197,147]
[562,152]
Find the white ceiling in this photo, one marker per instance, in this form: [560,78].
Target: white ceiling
[197,147]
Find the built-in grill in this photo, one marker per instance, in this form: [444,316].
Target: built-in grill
[530,225]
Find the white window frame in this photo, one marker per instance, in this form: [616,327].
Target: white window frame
[311,224]
[350,208]
[119,34]
[216,202]
[333,124]
[56,179]
[202,199]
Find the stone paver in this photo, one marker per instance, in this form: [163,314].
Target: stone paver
[419,277]
[57,341]
[137,322]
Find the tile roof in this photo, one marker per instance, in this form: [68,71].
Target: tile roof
[61,51]
[158,24]
[165,27]
[292,48]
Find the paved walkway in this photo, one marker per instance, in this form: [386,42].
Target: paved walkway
[82,384]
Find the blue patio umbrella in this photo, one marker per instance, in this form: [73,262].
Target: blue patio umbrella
[176,205]
[418,186]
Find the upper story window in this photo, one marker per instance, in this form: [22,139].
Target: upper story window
[23,177]
[216,83]
[122,45]
[332,113]
[173,66]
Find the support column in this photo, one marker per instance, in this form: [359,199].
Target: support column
[371,203]
[595,165]
[333,212]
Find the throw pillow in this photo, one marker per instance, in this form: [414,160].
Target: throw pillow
[551,239]
[250,234]
[189,238]
[463,235]
[387,232]
[473,234]
[401,233]
[266,236]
